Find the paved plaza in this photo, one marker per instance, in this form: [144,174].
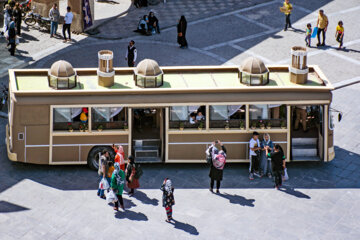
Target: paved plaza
[320,200]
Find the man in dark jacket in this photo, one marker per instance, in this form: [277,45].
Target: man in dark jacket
[131,54]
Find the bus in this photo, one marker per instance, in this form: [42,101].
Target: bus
[66,115]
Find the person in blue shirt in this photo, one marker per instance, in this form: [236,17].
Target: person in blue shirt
[265,162]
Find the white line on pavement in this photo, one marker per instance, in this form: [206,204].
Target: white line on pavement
[254,21]
[346,83]
[264,59]
[338,55]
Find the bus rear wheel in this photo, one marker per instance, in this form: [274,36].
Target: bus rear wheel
[95,153]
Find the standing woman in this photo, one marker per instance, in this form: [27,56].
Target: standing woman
[132,181]
[120,156]
[117,185]
[17,14]
[217,152]
[7,19]
[265,162]
[181,29]
[168,198]
[12,37]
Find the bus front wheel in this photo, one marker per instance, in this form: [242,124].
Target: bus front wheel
[95,153]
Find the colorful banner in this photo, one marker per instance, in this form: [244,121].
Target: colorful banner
[88,21]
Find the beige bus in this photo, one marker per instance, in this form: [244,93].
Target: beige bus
[166,114]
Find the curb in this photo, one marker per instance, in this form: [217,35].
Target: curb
[21,64]
[346,83]
[3,115]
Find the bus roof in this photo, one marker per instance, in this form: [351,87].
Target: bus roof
[175,78]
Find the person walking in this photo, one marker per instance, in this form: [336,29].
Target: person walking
[17,12]
[288,8]
[117,185]
[181,30]
[120,156]
[131,176]
[265,162]
[131,54]
[12,37]
[339,34]
[7,19]
[217,154]
[254,153]
[308,35]
[168,198]
[67,25]
[103,171]
[54,16]
[277,162]
[322,24]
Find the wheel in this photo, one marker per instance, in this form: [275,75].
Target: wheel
[30,21]
[94,154]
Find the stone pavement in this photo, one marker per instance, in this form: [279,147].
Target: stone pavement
[318,202]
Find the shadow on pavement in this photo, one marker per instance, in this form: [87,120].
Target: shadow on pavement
[134,216]
[236,199]
[7,207]
[141,196]
[185,227]
[293,192]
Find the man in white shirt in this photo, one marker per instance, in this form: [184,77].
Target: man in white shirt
[254,157]
[131,54]
[68,20]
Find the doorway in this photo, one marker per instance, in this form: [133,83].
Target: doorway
[307,136]
[148,134]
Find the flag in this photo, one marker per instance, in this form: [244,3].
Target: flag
[87,14]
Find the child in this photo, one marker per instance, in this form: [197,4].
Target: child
[339,34]
[308,35]
[168,198]
[277,162]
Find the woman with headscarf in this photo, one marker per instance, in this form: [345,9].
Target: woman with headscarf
[132,181]
[120,157]
[7,19]
[217,153]
[265,161]
[117,185]
[12,37]
[17,12]
[181,30]
[168,198]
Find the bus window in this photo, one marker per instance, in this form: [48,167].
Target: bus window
[232,116]
[187,116]
[70,118]
[273,115]
[108,117]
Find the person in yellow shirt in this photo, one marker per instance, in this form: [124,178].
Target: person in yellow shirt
[322,24]
[288,8]
[339,34]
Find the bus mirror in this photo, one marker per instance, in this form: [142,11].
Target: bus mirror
[339,117]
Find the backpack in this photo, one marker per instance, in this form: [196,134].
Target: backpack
[219,161]
[138,171]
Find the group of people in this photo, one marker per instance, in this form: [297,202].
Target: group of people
[54,16]
[115,173]
[265,159]
[321,25]
[148,24]
[12,24]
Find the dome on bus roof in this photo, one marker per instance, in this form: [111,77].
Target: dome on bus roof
[253,65]
[148,67]
[61,69]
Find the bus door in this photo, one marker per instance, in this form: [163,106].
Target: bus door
[148,131]
[307,136]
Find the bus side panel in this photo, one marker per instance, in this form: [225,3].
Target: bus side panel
[37,144]
[331,150]
[18,145]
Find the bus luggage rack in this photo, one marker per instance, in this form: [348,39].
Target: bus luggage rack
[147,150]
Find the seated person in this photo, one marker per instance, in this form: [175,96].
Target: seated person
[200,116]
[193,118]
[143,25]
[153,23]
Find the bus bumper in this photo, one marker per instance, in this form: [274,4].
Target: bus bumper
[12,156]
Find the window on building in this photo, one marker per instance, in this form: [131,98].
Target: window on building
[267,115]
[108,118]
[228,116]
[70,119]
[187,116]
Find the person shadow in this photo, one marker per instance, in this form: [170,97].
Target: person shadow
[293,192]
[134,216]
[141,196]
[127,203]
[236,199]
[185,227]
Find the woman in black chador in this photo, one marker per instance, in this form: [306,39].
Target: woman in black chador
[181,29]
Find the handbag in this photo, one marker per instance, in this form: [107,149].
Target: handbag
[104,184]
[17,41]
[111,197]
[286,176]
